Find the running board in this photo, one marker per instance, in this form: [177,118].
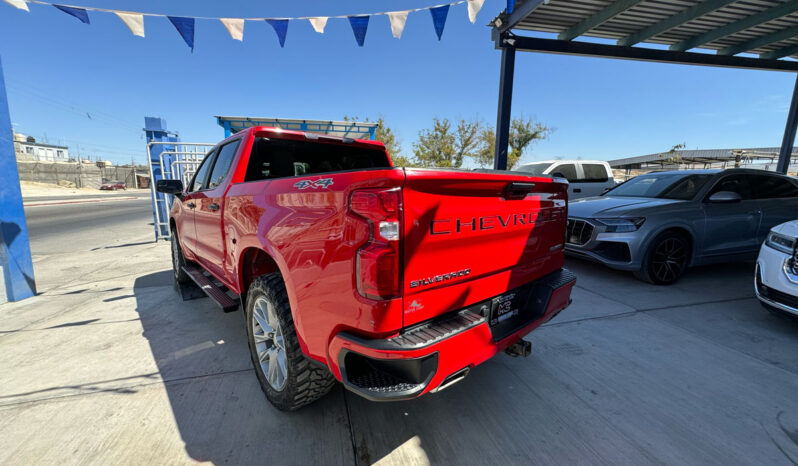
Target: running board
[216,294]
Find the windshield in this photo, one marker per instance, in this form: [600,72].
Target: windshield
[662,185]
[534,168]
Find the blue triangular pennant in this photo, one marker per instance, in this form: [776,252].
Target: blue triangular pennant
[185,26]
[359,26]
[439,18]
[78,13]
[510,5]
[281,28]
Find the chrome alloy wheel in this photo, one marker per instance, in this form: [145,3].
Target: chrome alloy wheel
[269,344]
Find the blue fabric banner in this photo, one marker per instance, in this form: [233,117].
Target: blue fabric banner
[78,13]
[185,26]
[439,18]
[359,26]
[281,28]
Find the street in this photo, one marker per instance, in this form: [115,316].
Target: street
[59,224]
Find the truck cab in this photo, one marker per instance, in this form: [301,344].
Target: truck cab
[586,177]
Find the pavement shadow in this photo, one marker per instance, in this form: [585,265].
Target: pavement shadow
[219,409]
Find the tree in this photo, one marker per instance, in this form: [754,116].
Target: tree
[386,135]
[444,146]
[671,155]
[523,132]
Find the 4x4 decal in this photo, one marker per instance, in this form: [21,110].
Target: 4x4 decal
[320,183]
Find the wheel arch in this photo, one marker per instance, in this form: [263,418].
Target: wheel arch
[681,229]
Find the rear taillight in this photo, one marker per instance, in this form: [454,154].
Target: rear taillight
[377,262]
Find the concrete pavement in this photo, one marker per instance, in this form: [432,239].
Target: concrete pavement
[108,365]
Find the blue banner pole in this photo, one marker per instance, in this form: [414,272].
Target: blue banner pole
[15,255]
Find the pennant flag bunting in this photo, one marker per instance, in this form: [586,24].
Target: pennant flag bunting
[398,19]
[318,23]
[234,26]
[133,21]
[439,18]
[473,8]
[359,26]
[510,5]
[280,27]
[21,4]
[78,13]
[185,26]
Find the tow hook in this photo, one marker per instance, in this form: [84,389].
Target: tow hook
[520,348]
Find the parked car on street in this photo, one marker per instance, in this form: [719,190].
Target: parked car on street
[776,275]
[113,185]
[386,279]
[586,177]
[657,225]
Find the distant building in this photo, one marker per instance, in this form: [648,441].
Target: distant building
[27,148]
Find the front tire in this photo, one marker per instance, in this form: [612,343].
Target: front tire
[666,259]
[289,380]
[178,261]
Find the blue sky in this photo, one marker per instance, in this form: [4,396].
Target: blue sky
[58,70]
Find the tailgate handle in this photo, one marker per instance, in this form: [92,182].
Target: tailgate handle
[518,190]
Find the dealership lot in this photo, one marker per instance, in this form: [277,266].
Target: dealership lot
[109,365]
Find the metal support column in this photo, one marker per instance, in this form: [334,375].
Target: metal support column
[503,113]
[155,130]
[789,132]
[15,258]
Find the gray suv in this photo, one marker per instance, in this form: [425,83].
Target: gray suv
[656,225]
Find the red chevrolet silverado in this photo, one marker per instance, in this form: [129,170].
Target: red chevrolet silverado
[394,281]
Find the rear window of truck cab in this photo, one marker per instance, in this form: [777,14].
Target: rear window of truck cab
[279,158]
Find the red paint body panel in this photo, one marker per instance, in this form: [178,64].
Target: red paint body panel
[314,238]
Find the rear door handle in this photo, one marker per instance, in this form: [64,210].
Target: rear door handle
[577,190]
[191,205]
[214,207]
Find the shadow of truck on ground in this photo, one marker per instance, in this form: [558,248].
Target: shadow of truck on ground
[220,411]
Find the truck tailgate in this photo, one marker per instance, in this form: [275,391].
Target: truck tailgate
[470,236]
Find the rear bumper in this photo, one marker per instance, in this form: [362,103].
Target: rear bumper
[434,354]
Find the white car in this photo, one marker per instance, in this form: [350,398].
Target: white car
[586,177]
[776,281]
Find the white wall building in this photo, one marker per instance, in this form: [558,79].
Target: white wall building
[28,149]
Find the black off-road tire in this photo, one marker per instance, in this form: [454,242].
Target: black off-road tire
[305,381]
[178,261]
[652,268]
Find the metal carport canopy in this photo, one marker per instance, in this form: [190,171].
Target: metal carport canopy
[766,31]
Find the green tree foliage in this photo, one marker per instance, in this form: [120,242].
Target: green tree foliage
[446,146]
[523,132]
[387,136]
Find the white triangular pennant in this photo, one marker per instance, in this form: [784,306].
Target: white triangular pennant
[235,27]
[133,21]
[473,8]
[21,4]
[318,23]
[398,19]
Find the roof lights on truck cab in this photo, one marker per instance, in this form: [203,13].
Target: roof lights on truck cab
[377,264]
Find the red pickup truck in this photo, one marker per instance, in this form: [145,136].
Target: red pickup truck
[394,281]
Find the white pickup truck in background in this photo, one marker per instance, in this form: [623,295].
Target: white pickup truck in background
[586,177]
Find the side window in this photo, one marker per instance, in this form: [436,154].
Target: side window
[198,183]
[222,164]
[773,187]
[594,173]
[735,183]
[568,170]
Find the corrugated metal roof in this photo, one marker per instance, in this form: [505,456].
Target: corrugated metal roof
[700,155]
[670,22]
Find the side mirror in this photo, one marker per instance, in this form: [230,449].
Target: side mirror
[174,187]
[725,197]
